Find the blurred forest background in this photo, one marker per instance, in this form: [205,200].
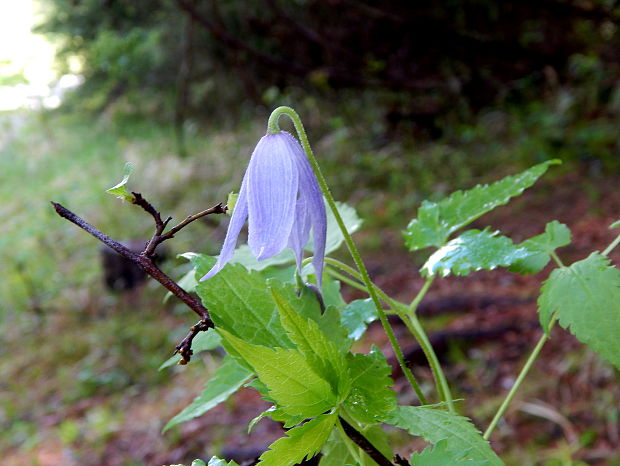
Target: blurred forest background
[402,101]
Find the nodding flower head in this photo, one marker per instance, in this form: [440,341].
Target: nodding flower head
[281,198]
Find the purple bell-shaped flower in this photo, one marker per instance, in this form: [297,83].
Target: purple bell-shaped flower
[281,197]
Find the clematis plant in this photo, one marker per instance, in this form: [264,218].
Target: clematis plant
[298,353]
[282,201]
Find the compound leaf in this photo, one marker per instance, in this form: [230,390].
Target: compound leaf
[435,425]
[300,443]
[239,301]
[474,250]
[228,378]
[440,455]
[437,220]
[357,315]
[291,381]
[321,354]
[586,296]
[555,236]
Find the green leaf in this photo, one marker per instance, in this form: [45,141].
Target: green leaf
[229,377]
[555,236]
[321,354]
[307,305]
[334,239]
[371,394]
[231,202]
[301,443]
[291,381]
[436,221]
[334,236]
[120,190]
[474,250]
[335,451]
[586,296]
[616,224]
[239,301]
[435,425]
[204,341]
[440,455]
[357,315]
[215,461]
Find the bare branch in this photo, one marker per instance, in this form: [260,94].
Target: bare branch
[141,260]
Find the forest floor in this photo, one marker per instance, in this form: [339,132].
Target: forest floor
[82,388]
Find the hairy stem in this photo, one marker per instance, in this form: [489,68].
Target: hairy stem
[407,315]
[612,245]
[526,368]
[272,127]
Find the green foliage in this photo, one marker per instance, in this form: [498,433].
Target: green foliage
[435,425]
[440,455]
[239,301]
[301,442]
[615,225]
[542,246]
[371,393]
[214,461]
[437,220]
[474,250]
[290,379]
[357,315]
[229,377]
[586,297]
[321,354]
[120,190]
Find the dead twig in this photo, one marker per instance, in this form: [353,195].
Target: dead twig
[145,261]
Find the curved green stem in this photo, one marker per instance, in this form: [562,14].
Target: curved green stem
[413,307]
[273,127]
[613,244]
[526,368]
[407,314]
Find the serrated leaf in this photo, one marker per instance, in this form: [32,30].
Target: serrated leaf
[371,393]
[435,425]
[555,236]
[616,224]
[440,455]
[321,354]
[204,341]
[238,301]
[335,451]
[228,378]
[474,250]
[436,221]
[586,296]
[120,190]
[301,443]
[291,381]
[308,306]
[357,315]
[334,239]
[215,461]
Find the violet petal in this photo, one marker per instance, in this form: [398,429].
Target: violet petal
[272,193]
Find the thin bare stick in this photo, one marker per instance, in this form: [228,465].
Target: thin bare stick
[160,225]
[141,260]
